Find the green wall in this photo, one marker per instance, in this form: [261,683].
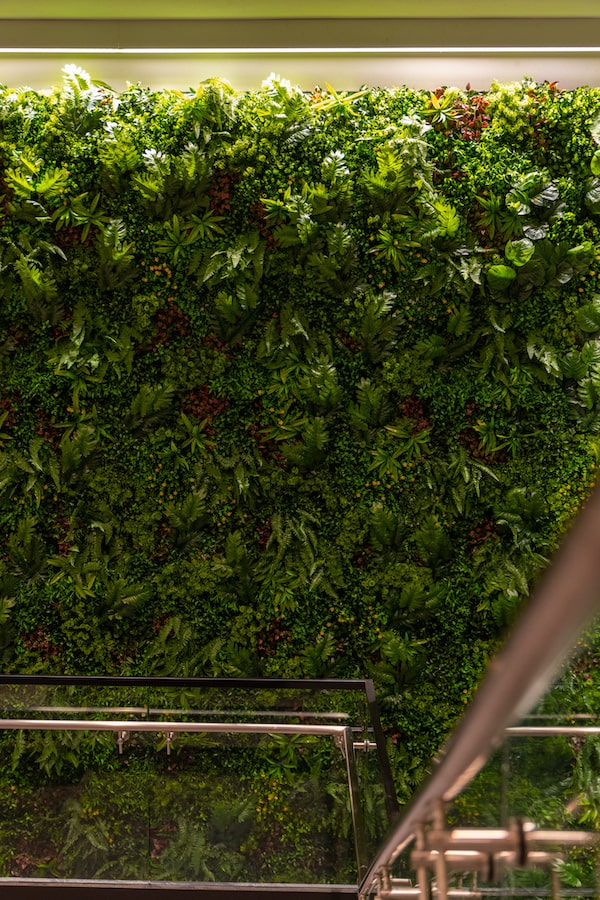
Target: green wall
[292,384]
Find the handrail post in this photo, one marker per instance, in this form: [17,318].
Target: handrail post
[358,819]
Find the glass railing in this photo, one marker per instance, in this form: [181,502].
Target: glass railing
[544,779]
[512,807]
[197,780]
[526,825]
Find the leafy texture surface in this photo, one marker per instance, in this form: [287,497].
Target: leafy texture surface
[292,384]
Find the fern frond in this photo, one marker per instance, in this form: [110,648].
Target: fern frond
[433,543]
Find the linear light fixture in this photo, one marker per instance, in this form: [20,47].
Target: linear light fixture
[295,51]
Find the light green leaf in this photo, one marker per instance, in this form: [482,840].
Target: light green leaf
[519,252]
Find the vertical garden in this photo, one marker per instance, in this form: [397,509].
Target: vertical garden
[292,384]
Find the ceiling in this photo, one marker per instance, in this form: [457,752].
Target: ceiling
[347,43]
[268,9]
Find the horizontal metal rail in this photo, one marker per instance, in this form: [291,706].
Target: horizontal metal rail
[537,893]
[545,634]
[266,714]
[16,888]
[312,685]
[552,730]
[145,711]
[540,717]
[160,727]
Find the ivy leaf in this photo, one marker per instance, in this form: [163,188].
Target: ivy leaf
[595,163]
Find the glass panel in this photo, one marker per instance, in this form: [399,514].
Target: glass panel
[253,809]
[545,778]
[548,778]
[216,808]
[70,807]
[371,796]
[64,701]
[164,805]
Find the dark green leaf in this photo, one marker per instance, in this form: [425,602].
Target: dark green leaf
[588,318]
[500,277]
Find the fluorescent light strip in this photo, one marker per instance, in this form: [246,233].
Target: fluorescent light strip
[292,51]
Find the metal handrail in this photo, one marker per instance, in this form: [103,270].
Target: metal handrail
[553,730]
[195,682]
[160,727]
[326,685]
[545,634]
[145,711]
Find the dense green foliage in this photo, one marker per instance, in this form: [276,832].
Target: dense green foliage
[292,385]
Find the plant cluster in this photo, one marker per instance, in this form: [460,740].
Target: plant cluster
[292,384]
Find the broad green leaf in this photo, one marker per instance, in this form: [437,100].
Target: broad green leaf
[519,252]
[500,276]
[533,273]
[592,196]
[547,196]
[536,232]
[588,317]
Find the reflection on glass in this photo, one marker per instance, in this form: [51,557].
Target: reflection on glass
[546,772]
[165,805]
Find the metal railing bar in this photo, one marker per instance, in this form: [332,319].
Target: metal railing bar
[545,716]
[106,887]
[191,727]
[255,684]
[358,822]
[304,714]
[544,635]
[144,711]
[125,710]
[538,892]
[552,730]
